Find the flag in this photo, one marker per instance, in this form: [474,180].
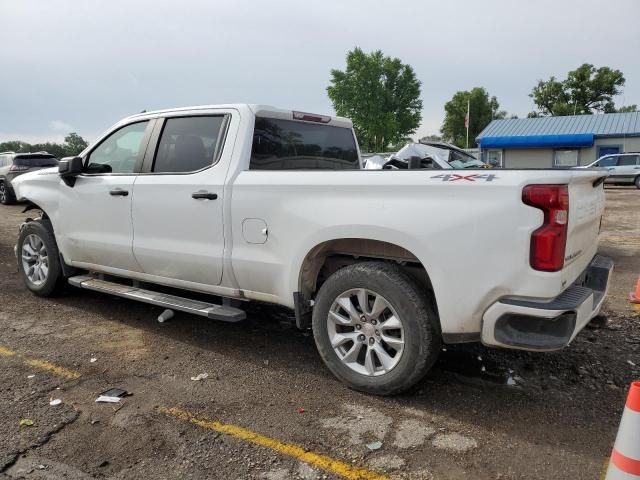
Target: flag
[466,117]
[466,121]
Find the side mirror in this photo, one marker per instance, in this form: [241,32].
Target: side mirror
[69,168]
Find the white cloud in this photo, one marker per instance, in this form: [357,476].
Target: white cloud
[60,126]
[101,65]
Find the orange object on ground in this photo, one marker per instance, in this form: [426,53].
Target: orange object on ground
[635,296]
[625,457]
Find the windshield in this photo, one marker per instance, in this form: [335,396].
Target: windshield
[459,160]
[605,162]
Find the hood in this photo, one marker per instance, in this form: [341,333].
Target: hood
[34,178]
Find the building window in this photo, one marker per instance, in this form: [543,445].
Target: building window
[565,158]
[494,158]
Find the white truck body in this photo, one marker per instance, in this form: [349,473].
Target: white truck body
[269,231]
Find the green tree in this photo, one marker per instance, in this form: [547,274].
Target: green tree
[74,144]
[380,94]
[482,109]
[627,108]
[586,90]
[57,149]
[15,146]
[432,138]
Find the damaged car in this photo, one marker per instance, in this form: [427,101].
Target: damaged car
[425,154]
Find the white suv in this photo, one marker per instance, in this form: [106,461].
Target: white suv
[624,168]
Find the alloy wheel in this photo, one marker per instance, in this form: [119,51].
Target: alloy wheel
[365,332]
[35,259]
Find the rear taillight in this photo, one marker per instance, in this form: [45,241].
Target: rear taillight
[18,168]
[549,241]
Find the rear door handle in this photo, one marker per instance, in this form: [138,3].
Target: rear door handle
[202,195]
[118,192]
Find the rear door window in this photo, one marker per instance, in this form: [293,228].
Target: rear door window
[36,161]
[627,161]
[189,144]
[290,145]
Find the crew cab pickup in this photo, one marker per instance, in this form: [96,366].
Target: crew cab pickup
[201,209]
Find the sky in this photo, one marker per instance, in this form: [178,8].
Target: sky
[82,65]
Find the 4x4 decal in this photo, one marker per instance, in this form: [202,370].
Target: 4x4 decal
[454,177]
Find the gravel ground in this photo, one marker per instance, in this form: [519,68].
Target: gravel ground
[481,413]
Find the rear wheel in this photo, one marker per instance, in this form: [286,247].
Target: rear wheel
[375,329]
[6,195]
[38,259]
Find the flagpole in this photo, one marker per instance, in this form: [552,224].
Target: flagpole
[467,119]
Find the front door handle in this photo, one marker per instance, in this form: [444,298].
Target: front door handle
[200,195]
[118,192]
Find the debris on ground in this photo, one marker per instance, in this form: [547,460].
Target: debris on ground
[200,376]
[164,316]
[26,422]
[300,410]
[55,401]
[113,395]
[31,376]
[93,360]
[377,445]
[511,381]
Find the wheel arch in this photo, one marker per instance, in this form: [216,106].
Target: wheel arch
[48,223]
[330,255]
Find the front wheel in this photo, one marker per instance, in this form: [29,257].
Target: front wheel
[6,195]
[375,329]
[637,182]
[38,259]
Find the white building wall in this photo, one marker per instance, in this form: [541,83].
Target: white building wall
[543,157]
[528,158]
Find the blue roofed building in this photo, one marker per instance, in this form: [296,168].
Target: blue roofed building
[569,141]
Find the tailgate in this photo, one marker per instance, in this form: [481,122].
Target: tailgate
[586,206]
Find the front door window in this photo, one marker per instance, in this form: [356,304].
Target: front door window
[119,152]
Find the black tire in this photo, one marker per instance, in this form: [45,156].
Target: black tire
[54,280]
[6,194]
[637,182]
[422,332]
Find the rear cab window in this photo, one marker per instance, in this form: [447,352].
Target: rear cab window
[280,144]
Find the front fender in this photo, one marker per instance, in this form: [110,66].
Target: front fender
[40,189]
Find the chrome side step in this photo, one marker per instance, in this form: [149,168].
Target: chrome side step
[197,307]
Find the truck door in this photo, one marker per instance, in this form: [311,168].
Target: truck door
[94,221]
[178,206]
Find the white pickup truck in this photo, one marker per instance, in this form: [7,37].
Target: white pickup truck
[200,209]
